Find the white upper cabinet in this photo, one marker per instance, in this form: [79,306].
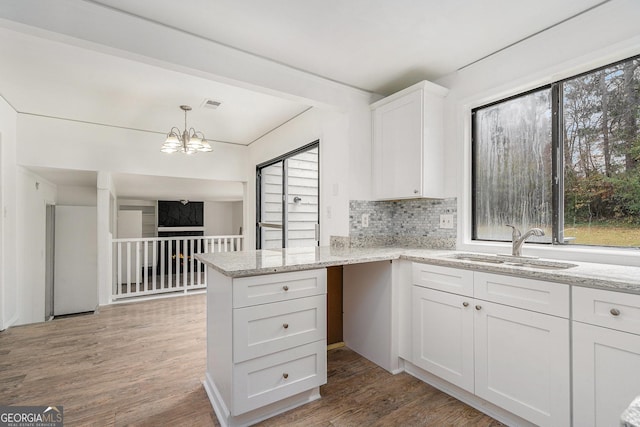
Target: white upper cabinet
[408,143]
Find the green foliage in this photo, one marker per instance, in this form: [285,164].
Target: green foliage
[602,146]
[600,198]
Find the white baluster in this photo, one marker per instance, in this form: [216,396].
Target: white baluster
[128,268]
[119,266]
[145,269]
[138,269]
[162,264]
[153,266]
[170,262]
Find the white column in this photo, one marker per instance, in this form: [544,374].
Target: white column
[105,212]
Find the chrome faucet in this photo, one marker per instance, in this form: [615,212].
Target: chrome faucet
[517,238]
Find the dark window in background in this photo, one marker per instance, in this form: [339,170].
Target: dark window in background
[180,214]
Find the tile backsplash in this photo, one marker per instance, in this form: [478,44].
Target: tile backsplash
[414,222]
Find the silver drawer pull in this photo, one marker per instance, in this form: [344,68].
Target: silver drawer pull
[286,326]
[285,375]
[465,304]
[478,307]
[614,312]
[285,288]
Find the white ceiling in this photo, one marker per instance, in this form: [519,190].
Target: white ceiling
[59,80]
[377,45]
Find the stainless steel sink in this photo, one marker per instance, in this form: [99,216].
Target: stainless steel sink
[512,261]
[493,259]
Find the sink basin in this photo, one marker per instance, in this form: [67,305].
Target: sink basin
[512,261]
[493,259]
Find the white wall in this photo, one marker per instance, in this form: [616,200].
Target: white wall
[219,218]
[236,217]
[34,193]
[74,195]
[345,160]
[8,216]
[596,38]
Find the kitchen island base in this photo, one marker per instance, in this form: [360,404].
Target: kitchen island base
[227,420]
[266,343]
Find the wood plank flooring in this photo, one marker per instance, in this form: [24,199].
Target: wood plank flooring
[143,364]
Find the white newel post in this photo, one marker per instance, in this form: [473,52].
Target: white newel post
[104,279]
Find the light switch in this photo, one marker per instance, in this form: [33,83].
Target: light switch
[365,220]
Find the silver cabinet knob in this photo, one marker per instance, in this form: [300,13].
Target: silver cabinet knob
[465,304]
[614,312]
[285,375]
[285,325]
[416,191]
[285,288]
[478,307]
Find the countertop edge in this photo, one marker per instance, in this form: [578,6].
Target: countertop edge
[442,258]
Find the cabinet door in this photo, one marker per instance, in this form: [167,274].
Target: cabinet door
[522,362]
[397,147]
[443,335]
[606,374]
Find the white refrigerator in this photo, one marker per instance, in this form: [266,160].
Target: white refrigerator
[75,285]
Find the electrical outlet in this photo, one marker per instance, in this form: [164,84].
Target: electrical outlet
[446,221]
[365,220]
[329,212]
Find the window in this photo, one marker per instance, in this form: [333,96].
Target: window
[564,158]
[288,211]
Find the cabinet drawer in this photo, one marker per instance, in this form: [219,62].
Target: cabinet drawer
[613,310]
[536,295]
[445,279]
[259,382]
[269,328]
[278,287]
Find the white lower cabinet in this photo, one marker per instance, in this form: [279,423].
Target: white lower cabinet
[276,376]
[522,362]
[266,343]
[443,335]
[515,358]
[606,361]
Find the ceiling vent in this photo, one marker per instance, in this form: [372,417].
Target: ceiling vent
[211,104]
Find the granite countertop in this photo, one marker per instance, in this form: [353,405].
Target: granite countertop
[252,263]
[631,416]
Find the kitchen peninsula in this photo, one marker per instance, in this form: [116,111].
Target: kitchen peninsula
[266,348]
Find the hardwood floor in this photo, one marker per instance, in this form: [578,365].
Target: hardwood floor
[143,364]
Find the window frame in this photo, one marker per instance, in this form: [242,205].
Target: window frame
[557,158]
[473,152]
[283,158]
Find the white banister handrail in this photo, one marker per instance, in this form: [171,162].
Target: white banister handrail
[155,239]
[152,265]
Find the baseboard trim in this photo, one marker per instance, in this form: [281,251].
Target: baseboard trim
[252,417]
[335,345]
[464,396]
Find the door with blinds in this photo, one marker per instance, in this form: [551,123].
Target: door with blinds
[288,204]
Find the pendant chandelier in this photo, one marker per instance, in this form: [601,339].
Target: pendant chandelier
[188,141]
